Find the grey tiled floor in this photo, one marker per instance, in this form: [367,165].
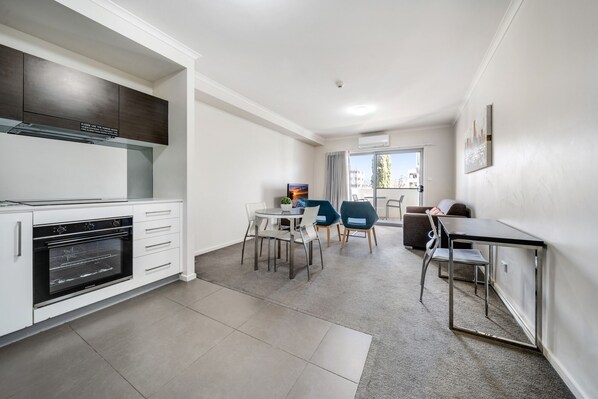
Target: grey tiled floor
[188,340]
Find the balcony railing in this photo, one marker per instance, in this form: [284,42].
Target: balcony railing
[385,194]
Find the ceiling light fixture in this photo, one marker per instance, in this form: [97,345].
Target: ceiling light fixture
[361,110]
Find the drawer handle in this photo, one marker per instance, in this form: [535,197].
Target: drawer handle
[155,213]
[158,245]
[157,267]
[158,228]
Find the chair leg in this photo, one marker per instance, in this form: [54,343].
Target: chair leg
[244,239]
[311,252]
[261,246]
[370,240]
[343,242]
[375,239]
[400,213]
[321,257]
[425,264]
[306,258]
[327,236]
[338,229]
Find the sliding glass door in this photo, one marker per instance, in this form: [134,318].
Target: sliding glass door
[390,180]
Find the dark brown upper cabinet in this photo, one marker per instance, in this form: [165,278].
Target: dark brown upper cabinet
[143,117]
[63,97]
[11,83]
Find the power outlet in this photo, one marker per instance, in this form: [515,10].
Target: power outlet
[505,266]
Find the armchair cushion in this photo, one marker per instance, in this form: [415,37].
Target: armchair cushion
[358,215]
[327,215]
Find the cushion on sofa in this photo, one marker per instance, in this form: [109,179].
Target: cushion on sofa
[436,212]
[452,207]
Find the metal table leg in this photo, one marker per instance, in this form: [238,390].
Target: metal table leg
[255,239]
[291,243]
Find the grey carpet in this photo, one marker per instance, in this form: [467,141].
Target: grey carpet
[413,352]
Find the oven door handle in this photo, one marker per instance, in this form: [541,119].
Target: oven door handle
[54,244]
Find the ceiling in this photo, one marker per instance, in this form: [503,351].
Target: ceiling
[59,25]
[413,60]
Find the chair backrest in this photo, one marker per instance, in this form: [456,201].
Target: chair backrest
[354,197]
[327,215]
[358,214]
[401,199]
[308,223]
[251,208]
[309,216]
[434,240]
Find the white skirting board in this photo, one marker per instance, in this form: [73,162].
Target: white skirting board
[567,378]
[219,246]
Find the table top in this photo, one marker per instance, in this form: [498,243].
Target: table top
[488,230]
[294,213]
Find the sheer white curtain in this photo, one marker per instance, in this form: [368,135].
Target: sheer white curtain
[337,177]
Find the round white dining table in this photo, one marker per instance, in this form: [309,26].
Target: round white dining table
[278,213]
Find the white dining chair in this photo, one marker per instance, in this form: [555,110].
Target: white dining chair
[308,233]
[263,231]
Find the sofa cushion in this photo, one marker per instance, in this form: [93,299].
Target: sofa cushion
[452,207]
[436,212]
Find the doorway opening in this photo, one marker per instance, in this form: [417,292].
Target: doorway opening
[389,180]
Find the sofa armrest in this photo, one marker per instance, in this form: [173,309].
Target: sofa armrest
[417,209]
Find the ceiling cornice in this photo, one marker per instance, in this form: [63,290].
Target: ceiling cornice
[501,32]
[216,94]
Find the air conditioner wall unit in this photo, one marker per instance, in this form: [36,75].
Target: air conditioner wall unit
[381,140]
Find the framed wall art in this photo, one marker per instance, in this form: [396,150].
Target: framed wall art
[478,142]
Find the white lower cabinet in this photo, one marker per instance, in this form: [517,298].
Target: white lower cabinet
[156,242]
[16,271]
[149,268]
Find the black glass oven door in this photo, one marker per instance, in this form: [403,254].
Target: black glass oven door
[64,266]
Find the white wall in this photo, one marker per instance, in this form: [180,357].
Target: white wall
[237,162]
[543,82]
[35,168]
[438,145]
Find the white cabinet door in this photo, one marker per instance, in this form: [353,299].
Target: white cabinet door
[16,271]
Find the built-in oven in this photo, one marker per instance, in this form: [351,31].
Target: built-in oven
[77,257]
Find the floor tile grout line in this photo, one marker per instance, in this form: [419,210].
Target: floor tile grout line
[281,349]
[297,380]
[202,298]
[195,361]
[298,357]
[107,362]
[272,301]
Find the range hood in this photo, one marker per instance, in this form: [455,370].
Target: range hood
[15,127]
[50,132]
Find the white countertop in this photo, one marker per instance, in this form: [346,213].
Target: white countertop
[134,201]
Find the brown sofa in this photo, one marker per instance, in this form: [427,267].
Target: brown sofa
[416,224]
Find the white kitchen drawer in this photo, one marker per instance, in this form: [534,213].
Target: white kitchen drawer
[149,268]
[155,228]
[156,244]
[145,212]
